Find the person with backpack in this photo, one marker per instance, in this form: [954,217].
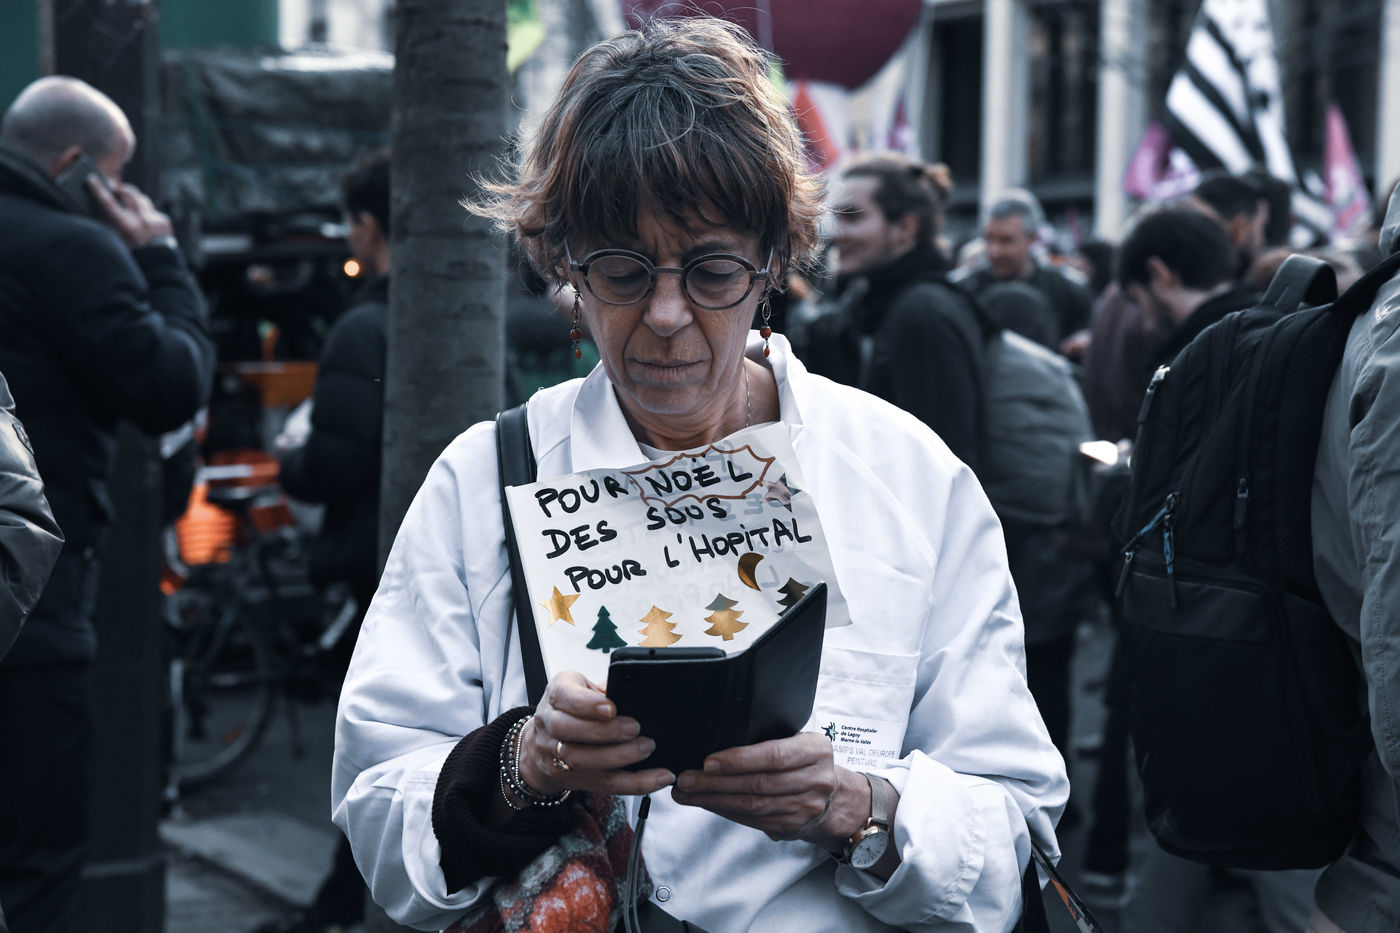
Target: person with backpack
[1177,263]
[1355,500]
[1242,705]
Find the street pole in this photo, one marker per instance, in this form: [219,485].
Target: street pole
[1005,96]
[115,48]
[1122,108]
[1388,113]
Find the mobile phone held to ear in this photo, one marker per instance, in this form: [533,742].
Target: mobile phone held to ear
[73,181]
[696,701]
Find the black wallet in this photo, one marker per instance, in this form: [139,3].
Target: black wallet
[695,701]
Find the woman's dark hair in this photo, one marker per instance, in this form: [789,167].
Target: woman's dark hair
[679,118]
[907,187]
[365,188]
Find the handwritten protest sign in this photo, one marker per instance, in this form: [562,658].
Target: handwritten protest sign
[704,548]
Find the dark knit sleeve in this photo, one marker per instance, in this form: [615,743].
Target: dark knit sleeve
[465,790]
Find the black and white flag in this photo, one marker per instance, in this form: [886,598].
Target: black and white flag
[1225,103]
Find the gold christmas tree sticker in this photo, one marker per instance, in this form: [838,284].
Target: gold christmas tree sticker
[558,606]
[659,633]
[724,620]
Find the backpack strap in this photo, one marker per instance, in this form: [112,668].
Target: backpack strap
[1358,298]
[515,461]
[1301,279]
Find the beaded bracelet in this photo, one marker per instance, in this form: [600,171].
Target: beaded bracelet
[517,783]
[512,735]
[512,782]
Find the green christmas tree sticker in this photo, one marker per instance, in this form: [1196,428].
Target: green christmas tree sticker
[605,637]
[724,619]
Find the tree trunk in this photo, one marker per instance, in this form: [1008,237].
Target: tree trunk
[446,358]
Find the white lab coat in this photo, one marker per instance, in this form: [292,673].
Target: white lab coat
[933,665]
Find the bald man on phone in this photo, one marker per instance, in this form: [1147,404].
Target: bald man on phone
[100,322]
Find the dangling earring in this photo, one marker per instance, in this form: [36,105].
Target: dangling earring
[576,334]
[766,331]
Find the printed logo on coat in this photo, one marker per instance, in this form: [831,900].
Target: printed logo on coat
[863,743]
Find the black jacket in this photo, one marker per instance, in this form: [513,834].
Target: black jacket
[1073,303]
[908,336]
[339,464]
[1238,297]
[90,333]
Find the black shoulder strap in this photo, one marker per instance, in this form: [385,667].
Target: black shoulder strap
[515,461]
[1030,888]
[1301,279]
[1358,298]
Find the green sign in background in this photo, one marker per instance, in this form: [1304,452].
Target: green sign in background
[184,24]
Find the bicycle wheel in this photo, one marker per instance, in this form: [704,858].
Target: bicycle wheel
[223,680]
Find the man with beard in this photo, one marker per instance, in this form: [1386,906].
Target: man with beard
[1178,265]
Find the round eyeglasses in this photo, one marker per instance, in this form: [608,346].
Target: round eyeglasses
[714,281]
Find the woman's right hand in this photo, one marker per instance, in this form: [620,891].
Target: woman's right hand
[576,725]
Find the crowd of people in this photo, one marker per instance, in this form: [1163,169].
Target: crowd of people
[904,323]
[665,204]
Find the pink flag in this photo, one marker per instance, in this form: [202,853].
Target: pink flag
[1149,162]
[1159,170]
[1346,187]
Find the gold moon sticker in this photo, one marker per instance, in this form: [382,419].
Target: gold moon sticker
[747,565]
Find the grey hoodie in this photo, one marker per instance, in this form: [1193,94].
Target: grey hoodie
[1356,547]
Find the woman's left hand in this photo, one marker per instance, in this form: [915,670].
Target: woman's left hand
[787,788]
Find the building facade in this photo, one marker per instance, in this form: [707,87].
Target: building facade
[1054,94]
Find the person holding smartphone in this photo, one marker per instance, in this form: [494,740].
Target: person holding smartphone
[666,185]
[100,322]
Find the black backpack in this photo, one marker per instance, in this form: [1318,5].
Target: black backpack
[1247,714]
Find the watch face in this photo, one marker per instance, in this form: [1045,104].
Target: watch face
[868,851]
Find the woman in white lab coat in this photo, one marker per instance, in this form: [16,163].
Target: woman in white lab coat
[666,187]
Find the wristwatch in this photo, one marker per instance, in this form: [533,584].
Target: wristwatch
[872,844]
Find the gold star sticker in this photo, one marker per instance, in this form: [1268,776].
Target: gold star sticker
[558,606]
[780,491]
